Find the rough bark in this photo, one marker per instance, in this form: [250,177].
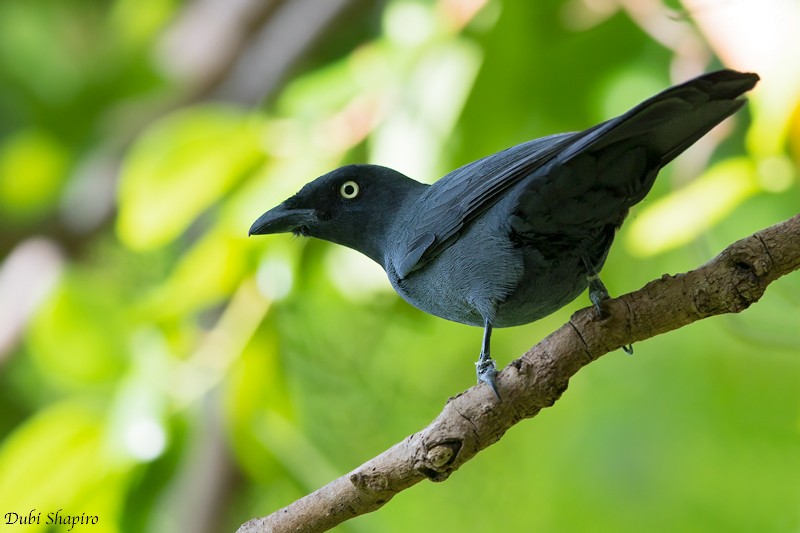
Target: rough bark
[474,420]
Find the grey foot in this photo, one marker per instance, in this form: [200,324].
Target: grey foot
[487,373]
[598,294]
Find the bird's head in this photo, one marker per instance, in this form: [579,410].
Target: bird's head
[355,206]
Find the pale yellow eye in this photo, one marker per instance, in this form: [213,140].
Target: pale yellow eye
[349,189]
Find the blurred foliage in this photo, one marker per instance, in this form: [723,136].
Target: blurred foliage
[177,376]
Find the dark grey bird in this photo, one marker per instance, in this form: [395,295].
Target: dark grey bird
[512,237]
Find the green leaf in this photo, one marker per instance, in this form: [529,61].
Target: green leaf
[32,170]
[206,274]
[78,335]
[180,167]
[57,460]
[681,216]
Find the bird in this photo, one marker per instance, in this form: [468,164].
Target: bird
[512,237]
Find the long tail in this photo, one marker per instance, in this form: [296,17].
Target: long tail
[603,171]
[666,124]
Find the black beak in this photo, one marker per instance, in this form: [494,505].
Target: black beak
[282,219]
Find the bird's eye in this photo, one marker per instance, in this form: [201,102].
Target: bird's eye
[349,189]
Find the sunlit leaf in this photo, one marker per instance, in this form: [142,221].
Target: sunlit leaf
[78,335]
[181,166]
[138,20]
[32,170]
[681,216]
[205,275]
[56,460]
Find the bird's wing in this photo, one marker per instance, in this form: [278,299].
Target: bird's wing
[465,193]
[575,180]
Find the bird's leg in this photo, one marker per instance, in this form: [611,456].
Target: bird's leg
[598,294]
[597,291]
[485,367]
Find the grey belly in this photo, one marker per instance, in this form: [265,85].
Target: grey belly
[508,285]
[540,296]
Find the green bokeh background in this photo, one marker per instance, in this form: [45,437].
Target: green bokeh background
[160,370]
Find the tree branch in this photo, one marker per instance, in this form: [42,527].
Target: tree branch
[471,421]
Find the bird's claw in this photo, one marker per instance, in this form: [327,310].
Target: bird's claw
[598,294]
[487,373]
